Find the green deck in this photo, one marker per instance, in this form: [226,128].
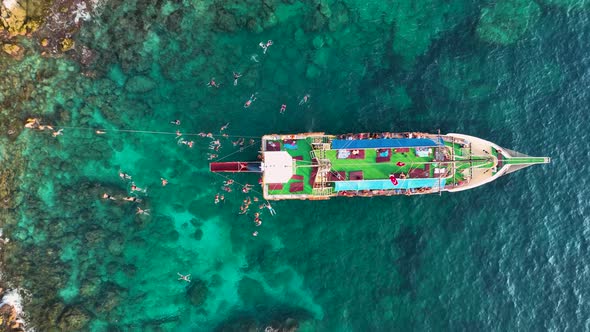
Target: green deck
[373,170]
[303,149]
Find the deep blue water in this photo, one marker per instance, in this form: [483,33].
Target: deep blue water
[511,255]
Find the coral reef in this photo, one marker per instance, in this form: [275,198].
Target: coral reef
[506,21]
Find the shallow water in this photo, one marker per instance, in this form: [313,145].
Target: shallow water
[511,255]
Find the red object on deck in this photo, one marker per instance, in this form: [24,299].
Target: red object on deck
[400,164]
[393,180]
[275,186]
[296,187]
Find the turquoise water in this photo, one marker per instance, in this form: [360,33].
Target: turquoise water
[511,255]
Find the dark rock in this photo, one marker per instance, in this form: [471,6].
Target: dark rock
[197,292]
[73,319]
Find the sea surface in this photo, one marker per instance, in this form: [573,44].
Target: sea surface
[513,255]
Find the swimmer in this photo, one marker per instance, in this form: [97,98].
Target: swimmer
[250,101]
[178,133]
[164,182]
[255,233]
[265,46]
[228,182]
[202,134]
[254,58]
[211,156]
[45,127]
[216,199]
[131,199]
[57,133]
[224,127]
[136,188]
[222,198]
[100,132]
[140,211]
[246,188]
[257,219]
[175,122]
[210,135]
[270,209]
[236,76]
[124,176]
[226,189]
[32,123]
[107,196]
[212,83]
[304,99]
[186,278]
[239,142]
[283,108]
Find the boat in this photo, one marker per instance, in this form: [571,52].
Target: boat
[317,166]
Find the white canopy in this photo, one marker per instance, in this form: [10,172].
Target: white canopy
[277,167]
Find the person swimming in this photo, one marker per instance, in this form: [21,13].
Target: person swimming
[216,199]
[250,101]
[224,127]
[136,188]
[265,46]
[212,83]
[236,76]
[124,176]
[283,108]
[32,123]
[164,182]
[175,122]
[107,196]
[304,99]
[57,133]
[270,209]
[131,199]
[141,211]
[186,278]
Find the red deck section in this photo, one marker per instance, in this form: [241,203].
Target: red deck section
[275,186]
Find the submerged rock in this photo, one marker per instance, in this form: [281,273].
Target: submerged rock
[197,292]
[139,84]
[73,319]
[15,51]
[506,21]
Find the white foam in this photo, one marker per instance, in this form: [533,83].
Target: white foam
[14,299]
[81,12]
[10,4]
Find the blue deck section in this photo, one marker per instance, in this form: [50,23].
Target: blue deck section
[388,185]
[339,144]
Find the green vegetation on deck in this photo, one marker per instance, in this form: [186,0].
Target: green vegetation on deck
[373,170]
